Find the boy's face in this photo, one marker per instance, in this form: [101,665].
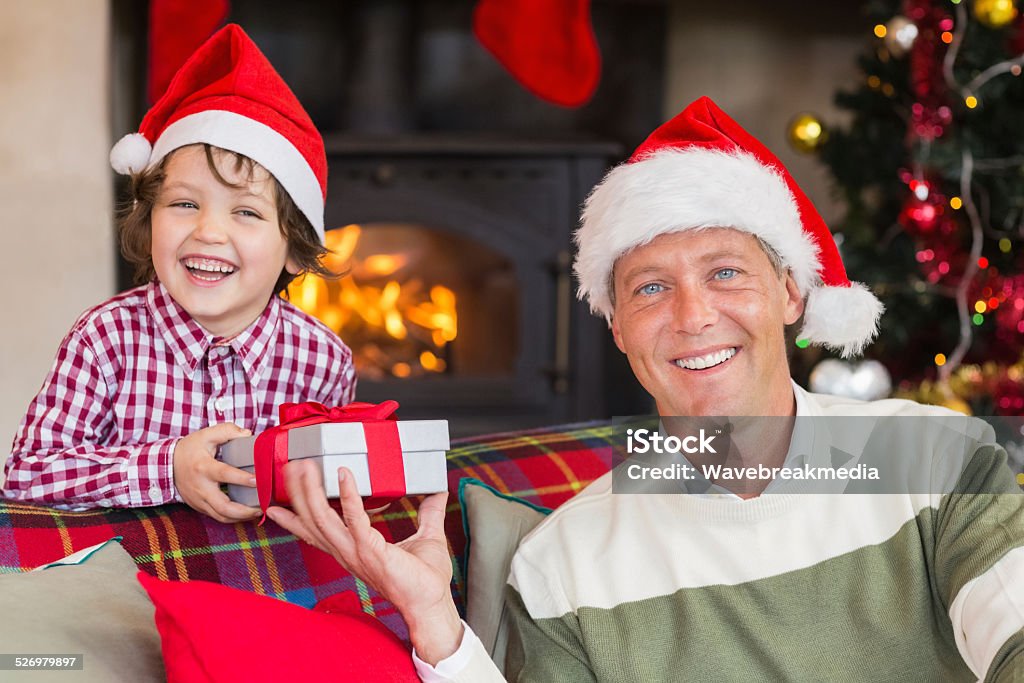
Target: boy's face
[218,250]
[701,315]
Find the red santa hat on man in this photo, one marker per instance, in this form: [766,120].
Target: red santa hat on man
[701,170]
[228,95]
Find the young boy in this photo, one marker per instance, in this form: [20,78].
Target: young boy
[228,184]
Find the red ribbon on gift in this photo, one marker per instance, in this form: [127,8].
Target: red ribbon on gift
[384,449]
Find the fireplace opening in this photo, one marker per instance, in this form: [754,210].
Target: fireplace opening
[414,301]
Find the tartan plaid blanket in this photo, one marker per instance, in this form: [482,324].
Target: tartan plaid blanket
[545,466]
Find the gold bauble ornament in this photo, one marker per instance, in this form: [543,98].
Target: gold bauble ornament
[995,13]
[957,404]
[946,397]
[900,34]
[806,133]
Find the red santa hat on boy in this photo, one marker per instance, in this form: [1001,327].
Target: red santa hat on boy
[700,170]
[228,95]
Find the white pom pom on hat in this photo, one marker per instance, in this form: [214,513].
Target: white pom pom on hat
[701,169]
[131,154]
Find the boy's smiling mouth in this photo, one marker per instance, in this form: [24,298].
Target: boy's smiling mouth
[208,269]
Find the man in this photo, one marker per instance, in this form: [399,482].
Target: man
[699,251]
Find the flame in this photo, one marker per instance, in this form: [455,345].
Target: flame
[394,325]
[399,328]
[382,265]
[312,290]
[431,363]
[343,242]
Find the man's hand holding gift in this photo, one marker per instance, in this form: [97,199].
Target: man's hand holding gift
[415,575]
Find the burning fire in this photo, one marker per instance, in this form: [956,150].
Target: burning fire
[395,326]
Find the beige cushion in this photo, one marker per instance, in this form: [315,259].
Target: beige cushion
[495,524]
[96,609]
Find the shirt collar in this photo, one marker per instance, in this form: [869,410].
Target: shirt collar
[801,441]
[805,407]
[189,341]
[254,342]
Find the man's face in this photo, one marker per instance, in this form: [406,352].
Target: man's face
[701,314]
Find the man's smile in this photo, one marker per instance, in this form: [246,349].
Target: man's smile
[705,361]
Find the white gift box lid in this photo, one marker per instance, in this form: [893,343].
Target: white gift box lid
[339,438]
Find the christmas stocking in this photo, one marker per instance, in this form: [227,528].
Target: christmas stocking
[547,45]
[176,29]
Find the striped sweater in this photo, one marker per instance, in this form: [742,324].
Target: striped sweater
[909,587]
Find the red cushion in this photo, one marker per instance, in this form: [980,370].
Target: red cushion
[212,633]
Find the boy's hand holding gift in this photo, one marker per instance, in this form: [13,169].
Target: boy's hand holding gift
[198,474]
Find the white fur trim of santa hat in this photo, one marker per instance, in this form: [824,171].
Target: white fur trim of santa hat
[235,133]
[259,142]
[687,188]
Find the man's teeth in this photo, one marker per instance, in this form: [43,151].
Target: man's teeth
[708,361]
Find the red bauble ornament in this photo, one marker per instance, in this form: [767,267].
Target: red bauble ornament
[1016,40]
[920,217]
[1009,313]
[943,262]
[930,113]
[1008,397]
[923,210]
[986,284]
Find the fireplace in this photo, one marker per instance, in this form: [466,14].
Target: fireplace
[453,220]
[455,292]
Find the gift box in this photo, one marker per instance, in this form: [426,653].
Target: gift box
[424,444]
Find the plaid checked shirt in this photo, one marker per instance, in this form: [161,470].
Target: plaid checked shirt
[137,373]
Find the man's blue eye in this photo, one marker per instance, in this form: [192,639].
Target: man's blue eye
[725,274]
[652,288]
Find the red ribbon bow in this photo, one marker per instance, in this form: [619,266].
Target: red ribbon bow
[384,449]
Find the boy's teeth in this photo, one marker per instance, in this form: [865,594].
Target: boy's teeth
[710,360]
[208,266]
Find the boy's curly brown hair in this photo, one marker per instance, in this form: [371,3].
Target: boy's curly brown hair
[135,230]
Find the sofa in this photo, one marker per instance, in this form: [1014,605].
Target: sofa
[540,468]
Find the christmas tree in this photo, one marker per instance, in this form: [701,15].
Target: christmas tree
[931,168]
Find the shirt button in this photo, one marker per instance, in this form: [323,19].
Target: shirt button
[155,493]
[222,403]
